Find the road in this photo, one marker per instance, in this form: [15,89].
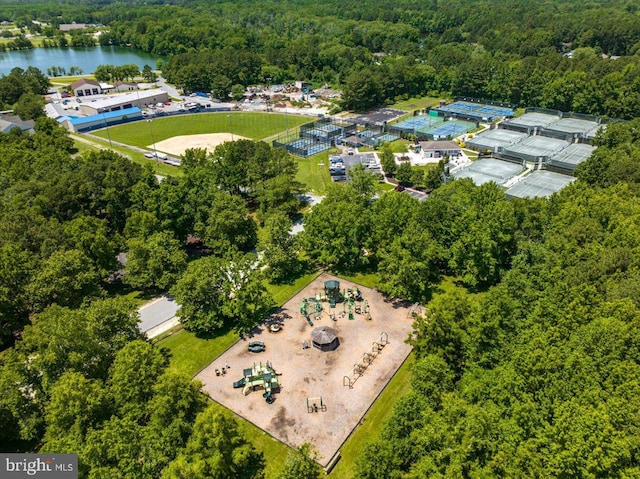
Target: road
[156,312]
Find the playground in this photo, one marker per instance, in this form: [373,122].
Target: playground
[328,353]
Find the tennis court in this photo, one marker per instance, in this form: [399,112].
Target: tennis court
[572,156]
[477,110]
[539,184]
[304,147]
[449,129]
[535,148]
[495,140]
[489,169]
[419,122]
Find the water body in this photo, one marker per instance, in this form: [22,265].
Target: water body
[87,58]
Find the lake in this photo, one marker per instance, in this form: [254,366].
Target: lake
[87,58]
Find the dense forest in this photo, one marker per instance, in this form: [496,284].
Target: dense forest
[528,357]
[509,50]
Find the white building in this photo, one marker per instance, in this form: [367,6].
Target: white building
[141,99]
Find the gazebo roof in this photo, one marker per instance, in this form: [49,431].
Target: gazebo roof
[323,335]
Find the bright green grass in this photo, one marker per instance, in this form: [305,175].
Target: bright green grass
[281,293]
[314,172]
[158,167]
[250,125]
[399,146]
[384,187]
[416,103]
[370,280]
[189,354]
[373,421]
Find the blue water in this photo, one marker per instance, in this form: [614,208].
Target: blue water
[87,58]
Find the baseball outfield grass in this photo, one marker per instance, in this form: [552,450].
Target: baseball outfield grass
[256,126]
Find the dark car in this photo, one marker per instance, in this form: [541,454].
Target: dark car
[257,347]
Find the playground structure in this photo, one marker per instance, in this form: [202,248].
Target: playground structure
[367,358]
[315,405]
[260,375]
[311,373]
[351,299]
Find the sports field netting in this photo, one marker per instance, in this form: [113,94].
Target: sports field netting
[419,122]
[539,184]
[572,155]
[533,120]
[489,169]
[366,134]
[496,140]
[536,147]
[387,137]
[478,110]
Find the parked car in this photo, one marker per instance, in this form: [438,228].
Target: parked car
[257,347]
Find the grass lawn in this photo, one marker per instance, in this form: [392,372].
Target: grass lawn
[398,146]
[189,354]
[416,103]
[283,292]
[365,278]
[473,155]
[314,172]
[251,125]
[84,144]
[373,421]
[384,187]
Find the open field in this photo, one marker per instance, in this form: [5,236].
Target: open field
[250,125]
[416,103]
[311,373]
[314,172]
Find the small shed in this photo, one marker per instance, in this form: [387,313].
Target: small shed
[325,338]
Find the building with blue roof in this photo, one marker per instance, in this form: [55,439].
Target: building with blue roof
[78,124]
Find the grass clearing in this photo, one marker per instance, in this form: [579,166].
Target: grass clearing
[373,421]
[417,103]
[281,293]
[314,172]
[365,278]
[189,354]
[250,125]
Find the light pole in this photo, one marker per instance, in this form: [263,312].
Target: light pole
[104,119]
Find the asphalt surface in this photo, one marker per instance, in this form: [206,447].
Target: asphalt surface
[156,312]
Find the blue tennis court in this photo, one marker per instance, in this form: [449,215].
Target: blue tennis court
[418,122]
[449,129]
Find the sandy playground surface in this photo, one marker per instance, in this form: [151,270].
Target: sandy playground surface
[311,373]
[177,145]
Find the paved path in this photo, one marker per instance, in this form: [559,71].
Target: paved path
[157,312]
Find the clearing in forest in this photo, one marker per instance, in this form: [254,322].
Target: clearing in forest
[305,375]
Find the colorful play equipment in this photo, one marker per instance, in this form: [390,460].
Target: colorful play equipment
[260,375]
[315,405]
[351,299]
